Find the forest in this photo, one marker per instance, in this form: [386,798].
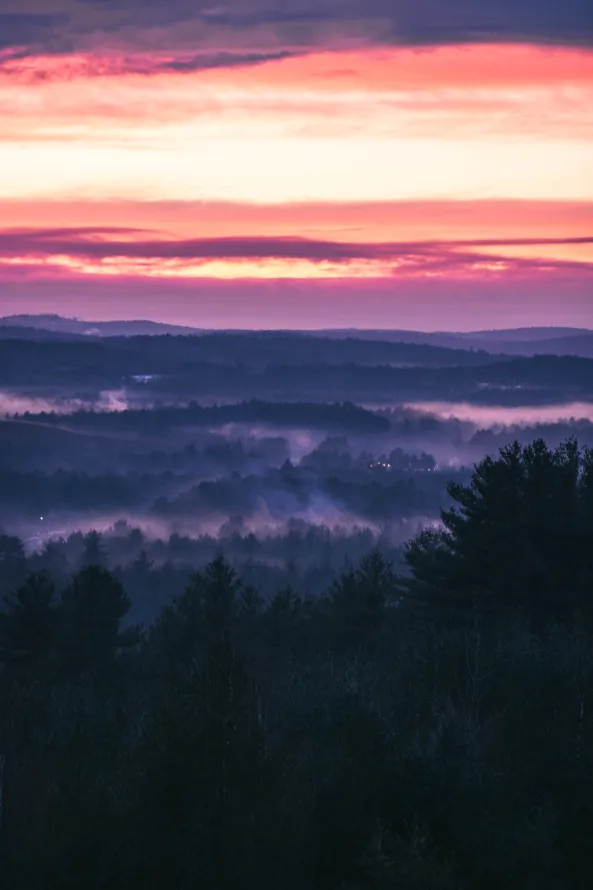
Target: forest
[422,722]
[296,445]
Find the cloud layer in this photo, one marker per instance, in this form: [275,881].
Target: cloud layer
[418,144]
[128,251]
[200,35]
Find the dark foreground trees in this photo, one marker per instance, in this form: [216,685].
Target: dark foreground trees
[73,634]
[521,537]
[342,743]
[434,758]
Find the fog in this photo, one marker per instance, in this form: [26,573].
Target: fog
[175,477]
[20,403]
[497,415]
[235,438]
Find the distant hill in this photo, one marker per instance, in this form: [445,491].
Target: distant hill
[17,332]
[76,326]
[580,345]
[508,341]
[513,341]
[524,335]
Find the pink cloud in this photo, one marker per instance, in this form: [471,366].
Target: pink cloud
[361,221]
[118,252]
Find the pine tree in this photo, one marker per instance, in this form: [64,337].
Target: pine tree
[90,612]
[28,623]
[519,536]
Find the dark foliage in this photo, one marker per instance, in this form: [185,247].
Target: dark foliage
[519,537]
[336,742]
[301,367]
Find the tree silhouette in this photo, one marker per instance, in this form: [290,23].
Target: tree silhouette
[94,550]
[205,745]
[91,609]
[12,563]
[519,537]
[52,561]
[142,566]
[360,595]
[27,626]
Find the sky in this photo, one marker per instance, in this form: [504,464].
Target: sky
[421,164]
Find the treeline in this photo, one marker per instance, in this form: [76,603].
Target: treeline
[371,495]
[276,494]
[344,417]
[228,478]
[153,569]
[46,493]
[554,434]
[180,439]
[26,444]
[535,380]
[426,731]
[297,368]
[250,349]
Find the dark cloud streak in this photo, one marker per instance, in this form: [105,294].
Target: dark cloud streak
[204,61]
[92,245]
[199,35]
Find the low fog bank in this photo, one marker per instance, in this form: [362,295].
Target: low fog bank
[265,433]
[191,469]
[155,565]
[231,438]
[25,402]
[501,415]
[328,486]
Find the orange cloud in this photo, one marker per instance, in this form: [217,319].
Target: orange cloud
[482,152]
[374,69]
[40,93]
[507,121]
[466,67]
[337,220]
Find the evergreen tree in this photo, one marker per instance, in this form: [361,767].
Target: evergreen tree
[91,609]
[519,537]
[359,598]
[13,563]
[27,625]
[94,550]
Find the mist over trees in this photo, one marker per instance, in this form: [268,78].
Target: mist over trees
[294,611]
[396,729]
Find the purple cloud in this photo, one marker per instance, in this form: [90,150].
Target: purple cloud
[249,31]
[93,245]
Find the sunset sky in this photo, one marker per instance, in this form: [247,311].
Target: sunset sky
[418,164]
